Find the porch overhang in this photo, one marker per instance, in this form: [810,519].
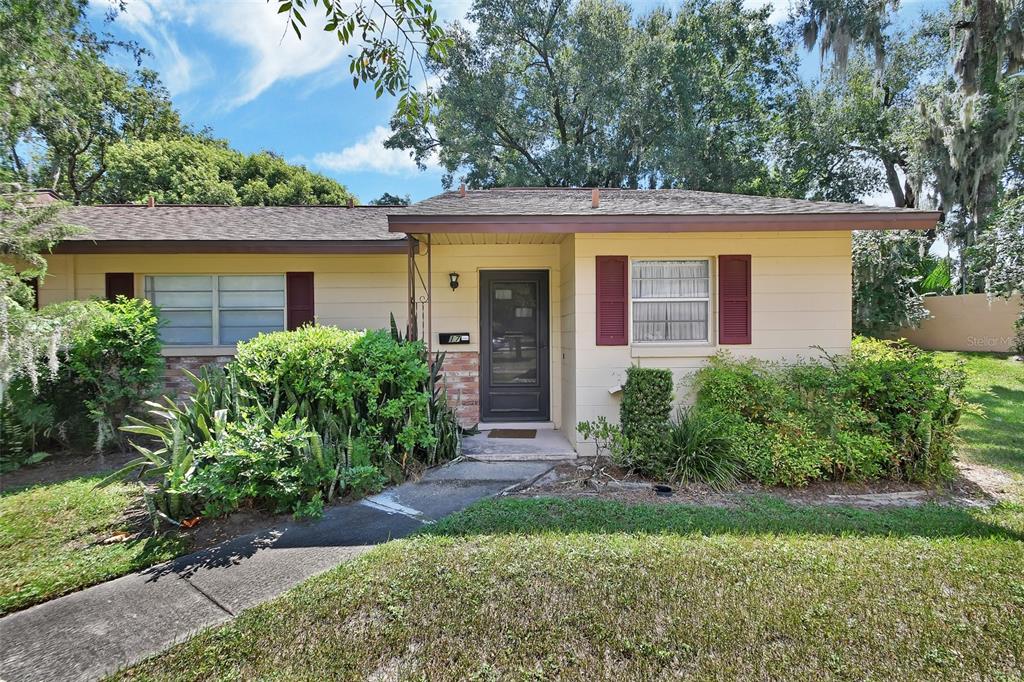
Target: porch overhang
[567,224]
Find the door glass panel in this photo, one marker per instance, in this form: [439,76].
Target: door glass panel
[514,353]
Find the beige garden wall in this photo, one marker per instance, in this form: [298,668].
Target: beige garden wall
[801,296]
[970,322]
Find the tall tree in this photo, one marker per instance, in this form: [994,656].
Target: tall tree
[389,199]
[67,105]
[554,92]
[971,127]
[93,107]
[30,340]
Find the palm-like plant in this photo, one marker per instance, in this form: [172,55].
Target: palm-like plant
[179,430]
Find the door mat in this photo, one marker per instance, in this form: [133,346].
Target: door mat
[512,433]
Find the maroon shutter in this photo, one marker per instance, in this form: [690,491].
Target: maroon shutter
[120,284]
[612,300]
[734,299]
[300,298]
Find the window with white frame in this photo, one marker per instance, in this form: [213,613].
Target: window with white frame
[203,310]
[671,300]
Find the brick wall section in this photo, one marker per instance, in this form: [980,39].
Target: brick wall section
[461,374]
[175,380]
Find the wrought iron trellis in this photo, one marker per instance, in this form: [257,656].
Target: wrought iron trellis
[420,308]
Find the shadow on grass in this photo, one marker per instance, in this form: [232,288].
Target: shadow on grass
[754,516]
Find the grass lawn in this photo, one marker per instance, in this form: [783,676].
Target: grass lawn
[545,589]
[996,436]
[51,540]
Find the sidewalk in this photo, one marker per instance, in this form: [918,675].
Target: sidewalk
[92,633]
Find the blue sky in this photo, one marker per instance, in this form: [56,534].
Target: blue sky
[230,65]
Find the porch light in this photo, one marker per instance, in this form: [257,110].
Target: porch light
[453,280]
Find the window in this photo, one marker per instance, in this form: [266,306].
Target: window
[671,300]
[202,310]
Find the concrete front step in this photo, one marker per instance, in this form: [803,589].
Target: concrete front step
[522,457]
[547,445]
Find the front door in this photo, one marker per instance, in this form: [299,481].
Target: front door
[514,361]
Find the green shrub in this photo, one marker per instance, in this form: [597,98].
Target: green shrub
[916,401]
[362,481]
[26,426]
[307,366]
[389,382]
[784,453]
[261,462]
[115,362]
[644,413]
[697,449]
[112,364]
[297,419]
[888,410]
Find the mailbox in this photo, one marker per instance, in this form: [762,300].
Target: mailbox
[453,337]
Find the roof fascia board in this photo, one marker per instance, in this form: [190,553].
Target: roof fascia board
[232,246]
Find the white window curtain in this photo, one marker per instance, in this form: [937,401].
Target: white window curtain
[671,300]
[205,310]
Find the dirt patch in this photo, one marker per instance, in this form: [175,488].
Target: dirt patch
[602,479]
[984,481]
[62,467]
[210,532]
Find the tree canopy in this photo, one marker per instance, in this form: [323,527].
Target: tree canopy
[551,92]
[192,169]
[96,133]
[389,199]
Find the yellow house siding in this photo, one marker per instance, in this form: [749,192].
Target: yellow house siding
[567,284]
[801,296]
[350,291]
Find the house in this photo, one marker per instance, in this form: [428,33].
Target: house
[541,298]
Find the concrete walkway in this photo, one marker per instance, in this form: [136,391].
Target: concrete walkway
[94,632]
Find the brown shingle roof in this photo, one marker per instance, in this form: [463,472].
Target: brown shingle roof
[660,210]
[623,202]
[378,229]
[232,223]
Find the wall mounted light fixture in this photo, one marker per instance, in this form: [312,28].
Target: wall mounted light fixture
[453,280]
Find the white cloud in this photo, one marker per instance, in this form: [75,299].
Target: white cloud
[369,154]
[149,19]
[274,52]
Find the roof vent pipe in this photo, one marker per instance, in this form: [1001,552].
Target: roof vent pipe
[595,198]
[462,190]
[150,202]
